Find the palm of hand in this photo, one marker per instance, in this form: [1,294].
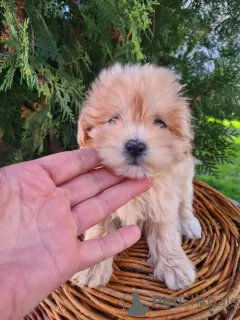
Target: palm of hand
[45,204]
[40,211]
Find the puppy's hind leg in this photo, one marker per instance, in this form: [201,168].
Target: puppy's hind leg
[189,224]
[100,274]
[170,262]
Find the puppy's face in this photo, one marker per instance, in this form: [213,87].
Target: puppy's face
[136,119]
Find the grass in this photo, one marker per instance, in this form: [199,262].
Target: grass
[228,179]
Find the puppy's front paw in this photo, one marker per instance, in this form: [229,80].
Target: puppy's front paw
[98,275]
[177,273]
[191,228]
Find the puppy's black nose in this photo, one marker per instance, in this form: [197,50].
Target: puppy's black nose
[135,147]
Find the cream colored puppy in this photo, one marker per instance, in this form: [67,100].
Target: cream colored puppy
[137,119]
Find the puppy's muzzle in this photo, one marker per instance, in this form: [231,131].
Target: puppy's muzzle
[134,149]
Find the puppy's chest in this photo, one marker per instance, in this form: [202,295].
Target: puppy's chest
[154,204]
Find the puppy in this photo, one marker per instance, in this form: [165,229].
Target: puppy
[138,121]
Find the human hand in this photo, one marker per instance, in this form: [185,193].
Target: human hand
[45,205]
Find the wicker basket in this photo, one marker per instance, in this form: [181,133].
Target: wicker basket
[214,295]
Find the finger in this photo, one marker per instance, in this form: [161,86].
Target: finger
[94,210]
[89,184]
[67,165]
[108,246]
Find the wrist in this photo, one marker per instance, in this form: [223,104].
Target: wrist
[12,299]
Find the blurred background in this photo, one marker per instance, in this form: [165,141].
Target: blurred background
[50,51]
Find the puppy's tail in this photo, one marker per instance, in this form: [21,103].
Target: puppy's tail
[197,162]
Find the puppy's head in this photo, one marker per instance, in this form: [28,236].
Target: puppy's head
[137,119]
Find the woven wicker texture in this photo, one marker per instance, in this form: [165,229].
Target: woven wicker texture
[37,314]
[215,255]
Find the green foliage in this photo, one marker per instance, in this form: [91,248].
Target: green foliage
[228,177]
[227,180]
[50,51]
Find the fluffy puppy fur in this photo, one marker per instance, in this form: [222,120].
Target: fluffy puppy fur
[138,121]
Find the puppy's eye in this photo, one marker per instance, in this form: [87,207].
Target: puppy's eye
[113,120]
[160,123]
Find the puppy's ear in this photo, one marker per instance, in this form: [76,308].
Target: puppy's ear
[83,138]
